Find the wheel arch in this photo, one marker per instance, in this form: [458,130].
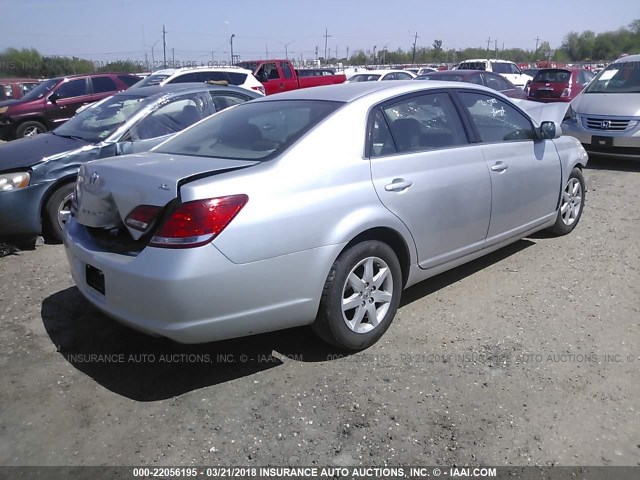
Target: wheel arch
[390,237]
[52,189]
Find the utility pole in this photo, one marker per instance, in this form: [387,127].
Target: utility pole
[231,42]
[374,55]
[326,37]
[336,52]
[496,46]
[316,53]
[173,57]
[537,40]
[488,43]
[266,48]
[347,52]
[413,56]
[164,47]
[213,60]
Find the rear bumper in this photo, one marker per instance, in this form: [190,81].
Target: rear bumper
[20,211]
[197,295]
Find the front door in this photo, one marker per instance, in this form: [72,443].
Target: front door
[63,101]
[525,170]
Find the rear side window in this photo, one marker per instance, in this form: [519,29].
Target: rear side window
[286,70]
[418,124]
[104,84]
[495,119]
[6,92]
[27,87]
[472,66]
[252,131]
[496,82]
[73,88]
[499,67]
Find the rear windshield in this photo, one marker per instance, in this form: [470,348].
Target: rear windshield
[472,66]
[553,76]
[251,131]
[364,77]
[623,77]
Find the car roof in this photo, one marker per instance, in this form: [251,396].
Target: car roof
[628,58]
[79,75]
[173,71]
[380,71]
[486,60]
[180,88]
[347,92]
[14,80]
[463,71]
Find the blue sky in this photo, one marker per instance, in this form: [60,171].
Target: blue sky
[103,30]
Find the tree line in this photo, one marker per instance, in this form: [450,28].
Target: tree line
[586,46]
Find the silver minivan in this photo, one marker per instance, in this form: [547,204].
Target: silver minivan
[605,117]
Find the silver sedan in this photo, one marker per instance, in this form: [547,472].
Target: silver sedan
[316,207]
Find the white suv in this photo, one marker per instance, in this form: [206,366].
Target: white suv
[508,70]
[240,77]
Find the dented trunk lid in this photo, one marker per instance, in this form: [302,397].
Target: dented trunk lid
[107,191]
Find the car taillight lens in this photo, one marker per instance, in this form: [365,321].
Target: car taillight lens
[142,216]
[566,92]
[198,222]
[259,89]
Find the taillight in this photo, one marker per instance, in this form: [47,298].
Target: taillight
[198,222]
[142,216]
[566,92]
[259,89]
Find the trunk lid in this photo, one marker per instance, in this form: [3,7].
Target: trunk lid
[107,191]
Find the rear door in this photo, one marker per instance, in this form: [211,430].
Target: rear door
[525,170]
[288,78]
[64,100]
[425,171]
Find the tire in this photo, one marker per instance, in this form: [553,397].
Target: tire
[373,296]
[29,129]
[56,212]
[571,204]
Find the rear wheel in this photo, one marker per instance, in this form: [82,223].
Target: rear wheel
[30,129]
[571,205]
[360,296]
[57,212]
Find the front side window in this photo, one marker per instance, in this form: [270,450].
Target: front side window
[364,77]
[420,123]
[496,82]
[403,76]
[251,131]
[167,119]
[73,88]
[104,85]
[27,87]
[495,119]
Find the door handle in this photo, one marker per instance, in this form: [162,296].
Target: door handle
[499,167]
[398,185]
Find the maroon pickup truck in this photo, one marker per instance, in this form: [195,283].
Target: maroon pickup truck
[280,76]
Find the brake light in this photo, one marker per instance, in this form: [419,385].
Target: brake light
[259,89]
[198,222]
[142,216]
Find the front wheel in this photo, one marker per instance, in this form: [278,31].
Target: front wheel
[57,212]
[30,129]
[571,204]
[360,296]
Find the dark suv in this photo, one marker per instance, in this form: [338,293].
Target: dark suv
[55,101]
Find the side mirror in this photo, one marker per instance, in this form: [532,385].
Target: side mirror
[53,98]
[550,130]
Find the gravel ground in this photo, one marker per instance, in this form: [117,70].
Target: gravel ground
[529,356]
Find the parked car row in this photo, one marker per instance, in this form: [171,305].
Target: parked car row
[15,88]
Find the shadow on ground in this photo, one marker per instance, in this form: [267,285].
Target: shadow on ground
[613,164]
[146,368]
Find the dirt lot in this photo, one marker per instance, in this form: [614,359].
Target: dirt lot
[528,356]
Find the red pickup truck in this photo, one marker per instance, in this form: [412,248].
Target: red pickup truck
[280,76]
